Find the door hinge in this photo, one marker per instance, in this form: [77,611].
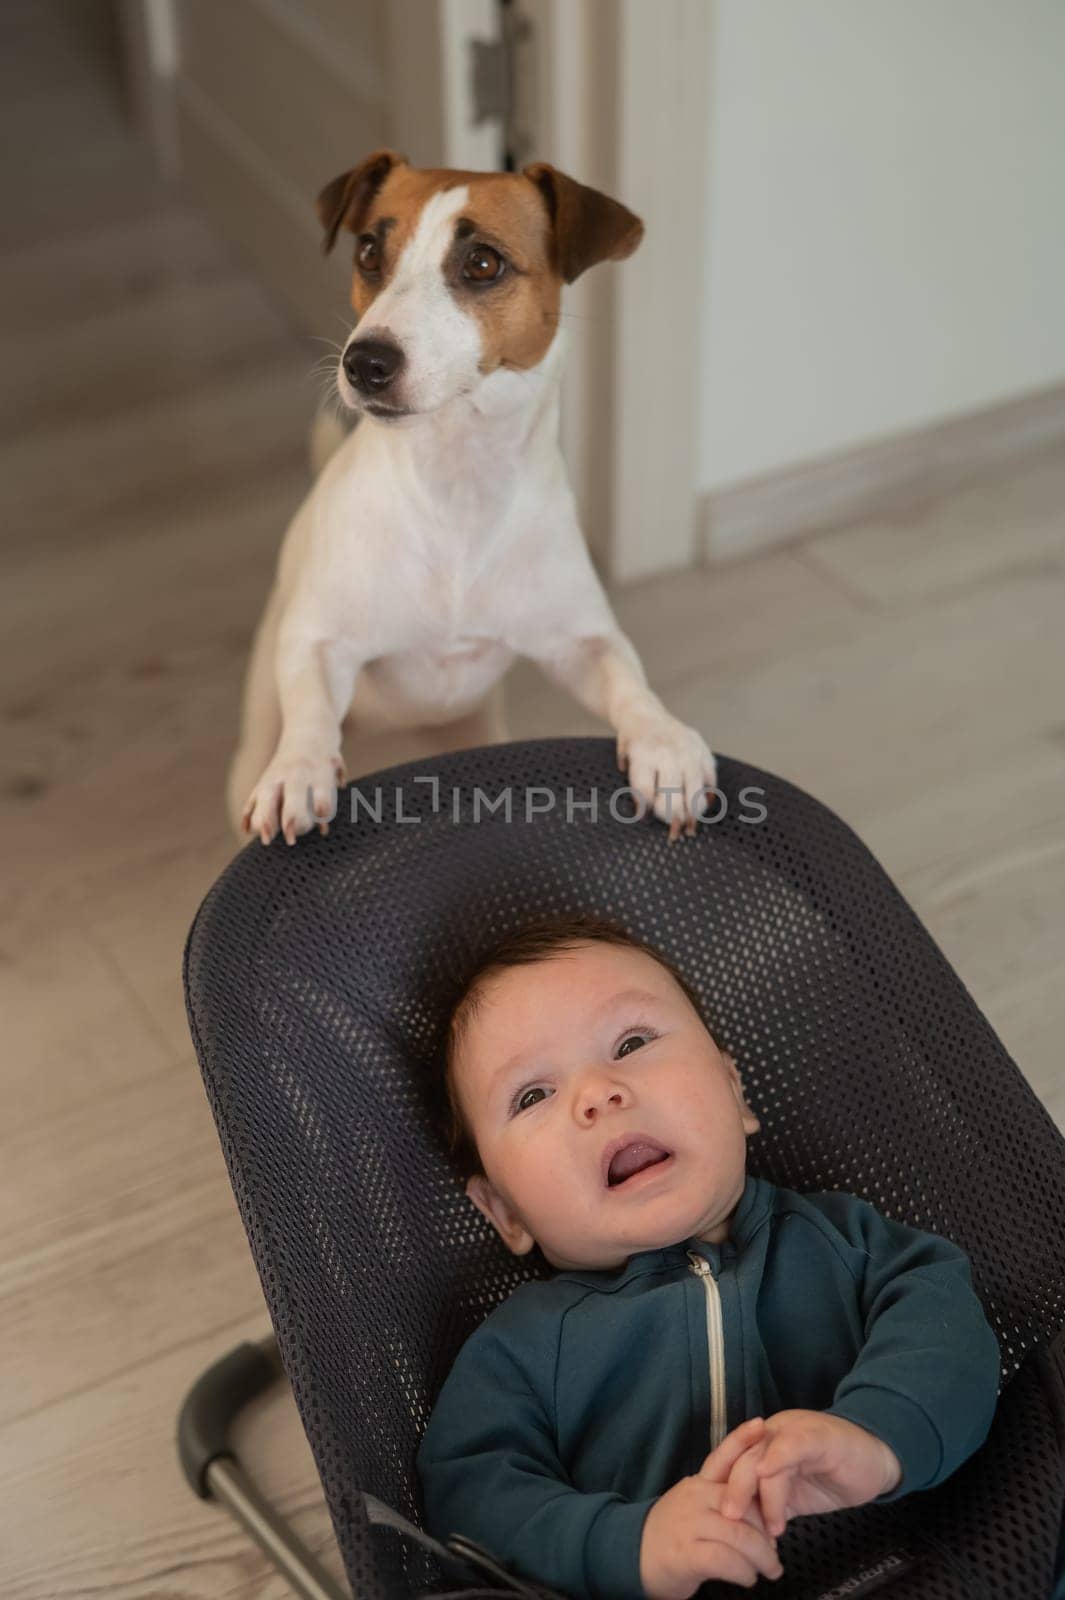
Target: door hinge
[500,81]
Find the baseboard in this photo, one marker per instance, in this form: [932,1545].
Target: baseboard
[880,479]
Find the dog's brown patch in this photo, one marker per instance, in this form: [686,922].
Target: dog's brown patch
[519,314]
[547,227]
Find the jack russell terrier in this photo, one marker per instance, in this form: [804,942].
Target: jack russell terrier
[441,538]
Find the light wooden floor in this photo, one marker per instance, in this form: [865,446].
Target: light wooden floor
[154,416]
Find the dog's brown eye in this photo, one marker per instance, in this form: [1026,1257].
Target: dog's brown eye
[483,265]
[366,254]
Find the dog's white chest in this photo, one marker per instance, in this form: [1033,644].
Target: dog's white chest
[457,669]
[429,685]
[462,652]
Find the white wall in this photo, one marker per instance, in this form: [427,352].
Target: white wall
[886,220]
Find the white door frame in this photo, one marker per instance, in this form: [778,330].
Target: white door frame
[623,105]
[573,128]
[663,95]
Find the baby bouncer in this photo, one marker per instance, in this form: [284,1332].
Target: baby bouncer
[318,980]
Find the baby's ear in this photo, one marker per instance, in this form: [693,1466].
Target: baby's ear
[750,1122]
[490,1203]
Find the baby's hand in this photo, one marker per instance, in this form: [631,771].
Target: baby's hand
[687,1540]
[805,1462]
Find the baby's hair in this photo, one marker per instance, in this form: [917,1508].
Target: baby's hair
[539,941]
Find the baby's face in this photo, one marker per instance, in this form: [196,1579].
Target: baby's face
[591,1055]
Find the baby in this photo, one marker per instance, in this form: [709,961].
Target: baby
[714,1355]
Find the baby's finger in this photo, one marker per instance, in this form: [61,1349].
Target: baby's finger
[743,1482]
[719,1462]
[753,1545]
[714,1559]
[774,1494]
[788,1450]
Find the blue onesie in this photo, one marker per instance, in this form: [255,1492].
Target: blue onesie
[587,1395]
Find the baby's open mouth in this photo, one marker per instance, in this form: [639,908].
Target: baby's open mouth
[633,1156]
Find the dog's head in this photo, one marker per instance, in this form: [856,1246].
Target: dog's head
[458,274]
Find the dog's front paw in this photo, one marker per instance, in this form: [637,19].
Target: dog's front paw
[294,794]
[669,765]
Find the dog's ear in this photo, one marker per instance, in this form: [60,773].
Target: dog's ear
[586,226]
[345,201]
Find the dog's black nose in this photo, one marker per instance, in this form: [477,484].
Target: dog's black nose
[371,364]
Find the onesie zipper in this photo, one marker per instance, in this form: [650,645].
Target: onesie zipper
[715,1341]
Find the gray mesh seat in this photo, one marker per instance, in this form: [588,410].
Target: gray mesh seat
[318,980]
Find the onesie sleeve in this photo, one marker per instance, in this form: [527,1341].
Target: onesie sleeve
[490,1469]
[926,1378]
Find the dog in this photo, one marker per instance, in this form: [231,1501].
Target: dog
[441,539]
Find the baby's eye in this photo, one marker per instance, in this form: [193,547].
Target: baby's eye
[523,1101]
[631,1042]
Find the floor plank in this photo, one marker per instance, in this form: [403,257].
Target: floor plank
[95,1504]
[1015,520]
